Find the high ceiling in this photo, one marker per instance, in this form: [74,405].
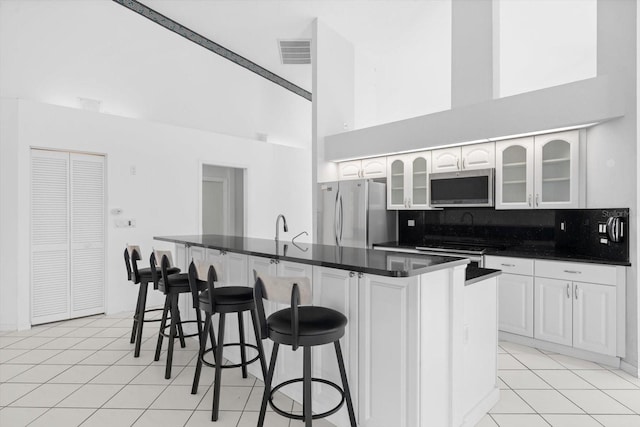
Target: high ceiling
[252,28]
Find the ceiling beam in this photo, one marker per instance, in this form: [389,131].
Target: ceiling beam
[212,46]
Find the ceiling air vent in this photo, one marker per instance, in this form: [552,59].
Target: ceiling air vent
[295,51]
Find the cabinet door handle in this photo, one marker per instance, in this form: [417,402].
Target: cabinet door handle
[360,275]
[409,202]
[463,166]
[508,265]
[457,163]
[537,199]
[568,290]
[575,291]
[352,273]
[529,200]
[573,271]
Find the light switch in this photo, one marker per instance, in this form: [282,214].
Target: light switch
[602,228]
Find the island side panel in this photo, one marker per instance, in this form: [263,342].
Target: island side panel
[441,322]
[480,337]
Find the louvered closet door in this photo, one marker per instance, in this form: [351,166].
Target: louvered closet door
[50,293]
[87,234]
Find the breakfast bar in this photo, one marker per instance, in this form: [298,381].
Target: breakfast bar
[420,347]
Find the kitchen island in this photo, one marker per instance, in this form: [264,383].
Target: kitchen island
[420,348]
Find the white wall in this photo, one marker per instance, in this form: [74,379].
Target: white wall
[404,83]
[55,51]
[545,43]
[162,197]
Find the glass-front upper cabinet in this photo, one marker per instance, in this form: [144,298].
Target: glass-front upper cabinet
[395,182]
[538,172]
[556,174]
[407,181]
[514,173]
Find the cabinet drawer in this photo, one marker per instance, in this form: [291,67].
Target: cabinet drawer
[510,265]
[574,271]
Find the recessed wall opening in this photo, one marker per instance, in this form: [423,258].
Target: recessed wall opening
[222,200]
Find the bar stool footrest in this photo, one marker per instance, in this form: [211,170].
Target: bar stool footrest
[136,316]
[235,365]
[314,416]
[184,322]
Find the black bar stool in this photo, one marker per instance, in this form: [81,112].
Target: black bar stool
[142,277]
[222,300]
[305,327]
[172,285]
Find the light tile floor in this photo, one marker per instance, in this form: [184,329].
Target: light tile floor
[82,372]
[540,388]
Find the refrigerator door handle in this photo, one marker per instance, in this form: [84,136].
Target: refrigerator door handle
[341,217]
[335,218]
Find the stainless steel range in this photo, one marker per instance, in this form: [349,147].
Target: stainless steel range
[474,251]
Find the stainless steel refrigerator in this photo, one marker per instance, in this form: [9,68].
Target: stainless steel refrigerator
[354,214]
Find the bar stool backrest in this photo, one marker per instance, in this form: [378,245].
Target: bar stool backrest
[285,290]
[201,271]
[131,256]
[153,261]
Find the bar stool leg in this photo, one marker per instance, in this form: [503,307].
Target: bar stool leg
[256,331]
[203,346]
[306,387]
[267,384]
[345,384]
[134,329]
[163,325]
[183,344]
[243,352]
[142,301]
[219,361]
[172,334]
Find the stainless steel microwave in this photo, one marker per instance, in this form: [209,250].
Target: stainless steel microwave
[462,188]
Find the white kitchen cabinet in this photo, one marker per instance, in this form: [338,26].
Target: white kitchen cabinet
[538,172]
[408,181]
[553,311]
[472,156]
[514,174]
[233,266]
[594,327]
[336,289]
[388,349]
[515,294]
[375,167]
[556,170]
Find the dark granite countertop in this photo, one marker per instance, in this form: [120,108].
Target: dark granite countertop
[528,251]
[476,274]
[345,258]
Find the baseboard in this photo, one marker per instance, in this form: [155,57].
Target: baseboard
[611,361]
[474,416]
[8,326]
[630,369]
